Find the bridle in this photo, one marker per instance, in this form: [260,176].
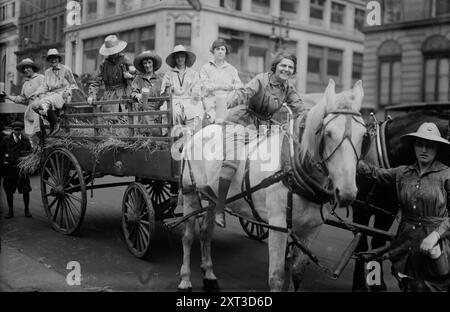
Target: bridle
[349,115]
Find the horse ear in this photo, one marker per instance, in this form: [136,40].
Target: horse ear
[330,94]
[358,92]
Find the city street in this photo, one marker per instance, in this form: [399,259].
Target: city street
[34,256]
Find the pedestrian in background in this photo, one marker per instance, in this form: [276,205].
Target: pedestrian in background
[219,79]
[12,148]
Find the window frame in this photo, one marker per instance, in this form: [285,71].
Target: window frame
[180,40]
[338,13]
[390,59]
[438,56]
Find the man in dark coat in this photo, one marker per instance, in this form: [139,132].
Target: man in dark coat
[12,147]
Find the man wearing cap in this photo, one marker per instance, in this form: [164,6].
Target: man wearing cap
[184,84]
[219,79]
[147,84]
[32,83]
[56,89]
[12,148]
[115,72]
[420,252]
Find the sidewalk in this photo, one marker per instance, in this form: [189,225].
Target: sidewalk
[19,272]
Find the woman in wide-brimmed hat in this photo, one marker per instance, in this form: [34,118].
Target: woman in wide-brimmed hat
[116,73]
[55,91]
[420,253]
[147,84]
[32,83]
[184,83]
[219,79]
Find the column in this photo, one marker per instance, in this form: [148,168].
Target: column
[100,9]
[275,8]
[327,14]
[347,63]
[302,65]
[349,19]
[303,11]
[246,6]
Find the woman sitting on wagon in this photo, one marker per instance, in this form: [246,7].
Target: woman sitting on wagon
[255,105]
[147,85]
[420,258]
[33,81]
[184,84]
[55,91]
[219,79]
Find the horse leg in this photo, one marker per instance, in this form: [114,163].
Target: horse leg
[206,231]
[277,248]
[301,260]
[188,238]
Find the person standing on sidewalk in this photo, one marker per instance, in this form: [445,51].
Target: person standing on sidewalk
[12,148]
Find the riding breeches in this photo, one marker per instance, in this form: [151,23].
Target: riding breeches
[235,139]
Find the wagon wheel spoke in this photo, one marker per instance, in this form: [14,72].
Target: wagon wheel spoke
[49,183]
[71,208]
[50,175]
[74,197]
[52,163]
[55,215]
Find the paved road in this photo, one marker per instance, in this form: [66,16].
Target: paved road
[34,256]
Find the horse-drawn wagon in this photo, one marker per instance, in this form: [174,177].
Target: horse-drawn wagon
[95,144]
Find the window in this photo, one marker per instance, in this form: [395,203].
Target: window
[442,7]
[359,19]
[258,55]
[389,73]
[316,9]
[235,40]
[337,13]
[126,5]
[42,25]
[61,28]
[183,34]
[357,66]
[261,6]
[231,4]
[392,11]
[147,38]
[130,37]
[110,7]
[3,13]
[91,10]
[436,83]
[54,36]
[13,9]
[289,6]
[91,57]
[323,64]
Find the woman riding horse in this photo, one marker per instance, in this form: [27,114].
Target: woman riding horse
[255,105]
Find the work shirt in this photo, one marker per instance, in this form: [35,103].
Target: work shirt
[260,99]
[184,83]
[424,201]
[153,83]
[213,76]
[58,80]
[30,86]
[110,74]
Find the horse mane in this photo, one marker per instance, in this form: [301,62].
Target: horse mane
[316,115]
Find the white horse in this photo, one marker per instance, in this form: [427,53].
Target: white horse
[271,202]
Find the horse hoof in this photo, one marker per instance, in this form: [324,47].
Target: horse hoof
[210,285]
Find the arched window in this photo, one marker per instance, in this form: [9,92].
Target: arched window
[436,69]
[389,73]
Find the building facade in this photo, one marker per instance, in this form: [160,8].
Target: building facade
[324,34]
[407,57]
[41,27]
[9,40]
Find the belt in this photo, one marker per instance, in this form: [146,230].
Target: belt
[422,220]
[111,88]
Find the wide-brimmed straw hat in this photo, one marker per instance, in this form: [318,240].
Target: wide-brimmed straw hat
[53,52]
[427,131]
[190,56]
[27,62]
[157,61]
[112,45]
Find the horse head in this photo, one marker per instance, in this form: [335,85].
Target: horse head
[333,136]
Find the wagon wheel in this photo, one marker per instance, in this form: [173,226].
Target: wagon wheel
[253,230]
[63,191]
[138,219]
[160,196]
